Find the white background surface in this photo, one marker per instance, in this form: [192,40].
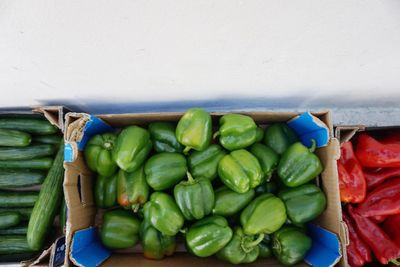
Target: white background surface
[326,53]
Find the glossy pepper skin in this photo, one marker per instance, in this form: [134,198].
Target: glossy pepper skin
[242,248]
[279,136]
[352,183]
[377,177]
[164,170]
[265,247]
[164,138]
[391,226]
[236,131]
[267,158]
[304,203]
[98,154]
[194,197]
[383,200]
[290,245]
[358,253]
[265,214]
[163,214]
[111,232]
[194,129]
[209,235]
[204,164]
[155,244]
[299,165]
[259,135]
[105,191]
[385,250]
[228,202]
[372,153]
[240,171]
[132,189]
[132,147]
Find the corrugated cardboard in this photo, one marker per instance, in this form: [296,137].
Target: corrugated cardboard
[79,180]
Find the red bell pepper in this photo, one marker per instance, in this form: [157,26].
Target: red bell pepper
[375,178]
[358,253]
[392,228]
[383,200]
[378,219]
[385,250]
[372,153]
[352,182]
[392,138]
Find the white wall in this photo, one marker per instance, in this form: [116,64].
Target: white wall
[84,52]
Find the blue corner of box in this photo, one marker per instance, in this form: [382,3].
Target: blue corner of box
[93,126]
[86,248]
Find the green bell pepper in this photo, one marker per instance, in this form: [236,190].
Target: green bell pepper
[207,236]
[299,165]
[155,244]
[132,147]
[105,191]
[120,229]
[242,248]
[132,189]
[164,138]
[279,137]
[236,131]
[194,129]
[267,187]
[240,171]
[228,202]
[204,164]
[259,135]
[163,214]
[267,158]
[164,170]
[265,214]
[303,203]
[195,197]
[265,247]
[290,245]
[98,154]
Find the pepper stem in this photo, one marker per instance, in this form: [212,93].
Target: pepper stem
[395,262]
[186,150]
[183,231]
[313,145]
[190,177]
[248,246]
[257,241]
[135,207]
[215,134]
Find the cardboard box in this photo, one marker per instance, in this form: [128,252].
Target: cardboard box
[83,246]
[55,115]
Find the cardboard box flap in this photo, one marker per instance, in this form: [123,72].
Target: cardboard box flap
[309,127]
[345,133]
[325,250]
[86,248]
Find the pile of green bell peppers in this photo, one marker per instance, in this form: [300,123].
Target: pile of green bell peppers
[243,193]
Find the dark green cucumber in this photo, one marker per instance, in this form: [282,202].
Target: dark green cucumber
[33,126]
[63,215]
[10,244]
[18,199]
[17,257]
[14,178]
[9,219]
[16,230]
[29,152]
[52,139]
[14,138]
[24,212]
[37,164]
[47,205]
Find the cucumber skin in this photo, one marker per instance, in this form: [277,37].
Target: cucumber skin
[18,199]
[14,178]
[14,244]
[24,212]
[33,126]
[16,230]
[52,139]
[14,138]
[25,153]
[9,219]
[36,164]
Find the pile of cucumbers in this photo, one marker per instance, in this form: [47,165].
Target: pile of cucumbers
[31,176]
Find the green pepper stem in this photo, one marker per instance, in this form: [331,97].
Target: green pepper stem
[186,150]
[183,231]
[190,177]
[135,207]
[248,246]
[395,262]
[257,241]
[313,145]
[215,134]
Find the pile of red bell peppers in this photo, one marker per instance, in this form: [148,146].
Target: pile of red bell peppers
[369,180]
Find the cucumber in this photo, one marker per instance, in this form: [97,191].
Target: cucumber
[37,164]
[47,205]
[53,139]
[10,244]
[18,199]
[14,138]
[16,230]
[17,257]
[9,219]
[29,152]
[33,126]
[63,215]
[14,178]
[24,212]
